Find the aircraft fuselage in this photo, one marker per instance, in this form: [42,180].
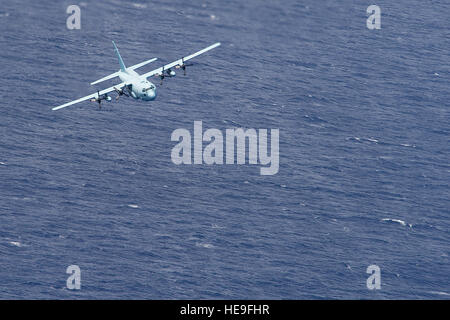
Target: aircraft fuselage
[140,88]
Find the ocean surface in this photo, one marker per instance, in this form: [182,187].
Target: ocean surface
[364,151]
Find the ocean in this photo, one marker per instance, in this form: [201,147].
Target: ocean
[364,171]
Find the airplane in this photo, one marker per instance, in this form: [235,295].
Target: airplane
[135,85]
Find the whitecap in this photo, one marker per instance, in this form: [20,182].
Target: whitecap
[403,223]
[140,5]
[134,206]
[204,245]
[15,243]
[441,293]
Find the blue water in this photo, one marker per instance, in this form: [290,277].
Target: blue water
[364,151]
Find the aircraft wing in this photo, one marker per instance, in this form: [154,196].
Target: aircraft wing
[92,96]
[136,66]
[179,61]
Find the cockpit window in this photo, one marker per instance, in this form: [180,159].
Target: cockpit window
[152,87]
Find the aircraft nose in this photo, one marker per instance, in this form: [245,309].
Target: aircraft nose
[151,94]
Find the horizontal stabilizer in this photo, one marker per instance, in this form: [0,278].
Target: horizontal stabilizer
[111,76]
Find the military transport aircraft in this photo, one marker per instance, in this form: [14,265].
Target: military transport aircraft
[135,85]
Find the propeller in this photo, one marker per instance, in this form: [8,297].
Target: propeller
[161,75]
[183,65]
[100,98]
[170,73]
[121,92]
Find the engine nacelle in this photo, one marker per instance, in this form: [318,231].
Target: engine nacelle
[102,97]
[171,73]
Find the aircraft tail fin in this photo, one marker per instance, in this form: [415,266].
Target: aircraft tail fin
[122,65]
[123,68]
